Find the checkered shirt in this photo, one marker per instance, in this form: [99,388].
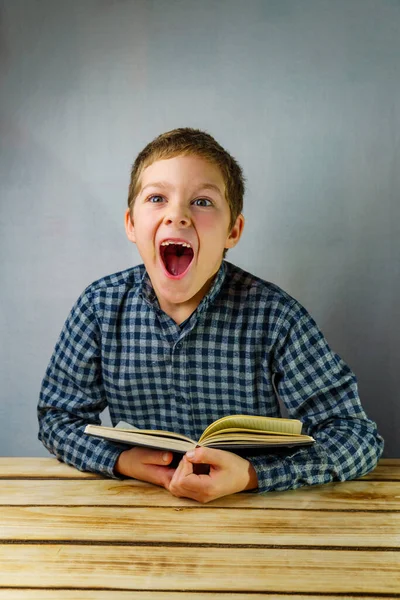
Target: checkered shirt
[246,342]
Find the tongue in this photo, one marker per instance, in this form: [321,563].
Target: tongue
[176,265]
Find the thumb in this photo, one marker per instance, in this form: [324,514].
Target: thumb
[201,454]
[201,459]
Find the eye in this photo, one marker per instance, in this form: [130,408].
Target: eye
[202,202]
[155,199]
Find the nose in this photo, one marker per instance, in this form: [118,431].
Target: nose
[177,215]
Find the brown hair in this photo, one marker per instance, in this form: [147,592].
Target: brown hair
[186,141]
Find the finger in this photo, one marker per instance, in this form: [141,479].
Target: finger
[178,485]
[208,456]
[185,479]
[157,474]
[183,470]
[155,457]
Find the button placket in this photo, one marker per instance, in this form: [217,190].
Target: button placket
[179,373]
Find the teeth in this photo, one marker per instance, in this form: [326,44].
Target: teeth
[184,244]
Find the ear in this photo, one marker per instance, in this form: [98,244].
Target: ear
[129,227]
[235,233]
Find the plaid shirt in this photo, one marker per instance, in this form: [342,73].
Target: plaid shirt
[246,339]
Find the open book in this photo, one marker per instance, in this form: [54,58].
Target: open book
[234,433]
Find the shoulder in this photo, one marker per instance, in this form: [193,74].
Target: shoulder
[252,291]
[127,279]
[264,306]
[107,293]
[101,304]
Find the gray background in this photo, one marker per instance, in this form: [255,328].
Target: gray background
[305,94]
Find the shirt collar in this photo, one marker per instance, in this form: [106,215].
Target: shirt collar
[146,290]
[214,290]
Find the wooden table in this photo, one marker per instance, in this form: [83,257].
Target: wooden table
[66,534]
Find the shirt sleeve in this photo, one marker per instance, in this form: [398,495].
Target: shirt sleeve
[318,388]
[72,395]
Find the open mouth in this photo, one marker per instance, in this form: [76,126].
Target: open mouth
[176,257]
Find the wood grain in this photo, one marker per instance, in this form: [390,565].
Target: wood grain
[40,468]
[349,495]
[108,540]
[41,594]
[222,526]
[387,469]
[49,467]
[206,569]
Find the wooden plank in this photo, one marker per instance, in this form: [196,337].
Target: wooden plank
[35,467]
[10,594]
[349,495]
[188,525]
[387,469]
[203,569]
[49,467]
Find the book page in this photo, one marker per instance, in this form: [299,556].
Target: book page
[127,427]
[166,440]
[256,439]
[270,424]
[246,433]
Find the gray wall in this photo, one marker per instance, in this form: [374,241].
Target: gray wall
[304,93]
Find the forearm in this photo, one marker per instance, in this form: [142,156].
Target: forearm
[343,450]
[320,390]
[66,405]
[65,438]
[72,395]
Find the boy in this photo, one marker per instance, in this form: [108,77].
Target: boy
[187,338]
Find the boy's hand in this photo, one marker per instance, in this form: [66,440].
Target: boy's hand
[146,464]
[229,474]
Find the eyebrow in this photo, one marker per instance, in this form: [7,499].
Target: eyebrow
[166,185]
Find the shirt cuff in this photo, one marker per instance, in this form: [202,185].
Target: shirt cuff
[103,461]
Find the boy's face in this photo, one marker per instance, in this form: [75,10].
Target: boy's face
[180,223]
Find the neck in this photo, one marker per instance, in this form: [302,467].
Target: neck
[181,311]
